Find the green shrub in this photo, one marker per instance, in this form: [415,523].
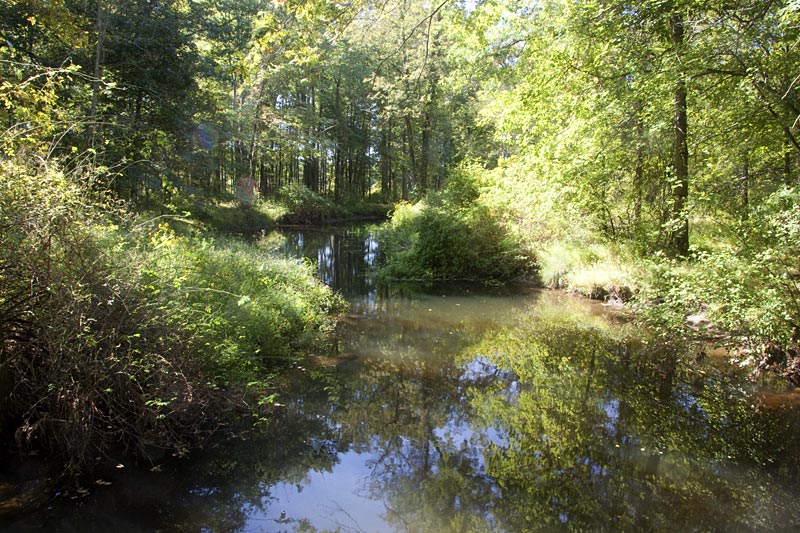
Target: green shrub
[92,368]
[451,237]
[231,217]
[751,291]
[303,204]
[134,341]
[242,307]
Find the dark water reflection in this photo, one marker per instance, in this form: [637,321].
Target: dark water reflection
[343,257]
[465,409]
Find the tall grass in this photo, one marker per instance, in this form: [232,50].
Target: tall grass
[121,336]
[602,271]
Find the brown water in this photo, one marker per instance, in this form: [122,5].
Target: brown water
[456,408]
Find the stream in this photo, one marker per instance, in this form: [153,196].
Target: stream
[463,408]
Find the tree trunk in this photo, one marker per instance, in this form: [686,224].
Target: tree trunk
[386,162]
[679,223]
[746,185]
[788,154]
[412,160]
[638,171]
[425,164]
[98,71]
[338,170]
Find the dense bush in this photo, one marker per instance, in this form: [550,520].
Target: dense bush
[749,290]
[304,205]
[241,306]
[543,216]
[84,361]
[136,340]
[451,235]
[234,218]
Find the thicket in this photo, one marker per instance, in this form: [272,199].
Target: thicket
[227,216]
[304,206]
[744,291]
[452,235]
[122,336]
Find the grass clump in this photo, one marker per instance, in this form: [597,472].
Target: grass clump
[599,271]
[242,307]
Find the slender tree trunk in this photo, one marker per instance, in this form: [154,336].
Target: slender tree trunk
[338,167]
[311,165]
[746,185]
[98,71]
[679,224]
[788,153]
[638,171]
[424,168]
[386,162]
[407,166]
[366,160]
[263,180]
[412,160]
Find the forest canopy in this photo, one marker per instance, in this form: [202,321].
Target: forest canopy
[644,114]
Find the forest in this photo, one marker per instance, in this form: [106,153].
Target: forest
[642,153]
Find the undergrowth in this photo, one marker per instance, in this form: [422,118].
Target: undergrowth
[747,289]
[453,236]
[231,217]
[122,336]
[600,271]
[304,206]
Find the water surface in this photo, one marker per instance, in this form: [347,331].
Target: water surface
[460,408]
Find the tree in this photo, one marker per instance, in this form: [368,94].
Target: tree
[620,107]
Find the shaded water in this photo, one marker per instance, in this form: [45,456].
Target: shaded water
[456,408]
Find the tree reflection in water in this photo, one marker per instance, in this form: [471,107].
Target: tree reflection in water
[457,409]
[561,423]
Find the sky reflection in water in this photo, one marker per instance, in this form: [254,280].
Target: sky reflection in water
[463,409]
[477,409]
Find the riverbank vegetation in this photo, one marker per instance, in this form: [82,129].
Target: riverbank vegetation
[640,153]
[122,336]
[452,235]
